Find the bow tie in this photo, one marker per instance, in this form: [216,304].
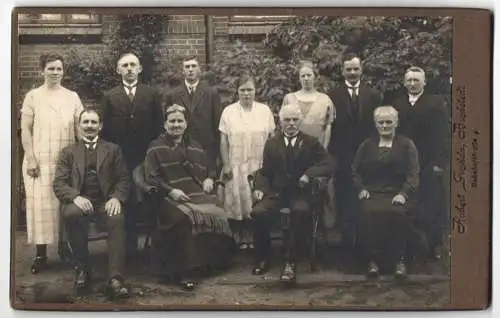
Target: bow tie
[129,87]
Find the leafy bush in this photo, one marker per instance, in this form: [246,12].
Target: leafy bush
[138,34]
[387,46]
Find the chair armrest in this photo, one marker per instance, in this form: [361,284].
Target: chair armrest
[139,179]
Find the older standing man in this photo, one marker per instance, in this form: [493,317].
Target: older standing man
[204,106]
[355,103]
[132,116]
[424,118]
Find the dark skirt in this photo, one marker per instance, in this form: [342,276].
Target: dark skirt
[384,228]
[184,242]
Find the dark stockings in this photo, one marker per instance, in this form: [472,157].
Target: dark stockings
[41,250]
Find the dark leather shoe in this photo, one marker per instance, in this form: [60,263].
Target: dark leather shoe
[373,270]
[400,271]
[261,268]
[82,277]
[288,274]
[188,284]
[116,288]
[39,263]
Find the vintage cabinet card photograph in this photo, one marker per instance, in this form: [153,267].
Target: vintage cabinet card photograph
[221,158]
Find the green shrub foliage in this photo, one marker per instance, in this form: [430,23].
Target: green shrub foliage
[387,46]
[91,76]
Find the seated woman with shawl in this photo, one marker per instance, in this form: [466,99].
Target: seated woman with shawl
[192,231]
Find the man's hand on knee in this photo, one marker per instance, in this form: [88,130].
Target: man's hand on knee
[113,207]
[84,204]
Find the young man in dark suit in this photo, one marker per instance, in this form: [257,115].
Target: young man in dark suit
[354,102]
[204,106]
[424,118]
[291,160]
[132,116]
[92,181]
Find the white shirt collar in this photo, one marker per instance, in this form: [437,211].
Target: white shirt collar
[188,85]
[385,144]
[349,85]
[414,98]
[89,140]
[293,140]
[127,85]
[94,141]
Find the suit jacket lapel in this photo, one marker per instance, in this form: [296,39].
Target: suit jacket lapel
[124,100]
[184,95]
[198,94]
[102,152]
[361,100]
[347,99]
[137,98]
[79,158]
[298,145]
[281,146]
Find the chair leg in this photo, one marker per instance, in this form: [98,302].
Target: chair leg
[313,251]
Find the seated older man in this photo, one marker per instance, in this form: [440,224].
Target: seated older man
[291,159]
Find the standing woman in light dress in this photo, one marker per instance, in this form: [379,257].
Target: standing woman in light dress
[319,114]
[48,124]
[245,127]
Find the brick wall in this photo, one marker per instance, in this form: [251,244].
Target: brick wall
[185,35]
[228,34]
[29,67]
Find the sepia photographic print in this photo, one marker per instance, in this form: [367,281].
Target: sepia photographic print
[307,159]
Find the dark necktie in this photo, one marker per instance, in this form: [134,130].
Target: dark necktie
[130,94]
[289,154]
[354,100]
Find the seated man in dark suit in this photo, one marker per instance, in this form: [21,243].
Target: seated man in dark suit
[291,160]
[92,181]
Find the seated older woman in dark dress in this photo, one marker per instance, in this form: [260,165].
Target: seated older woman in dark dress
[385,172]
[192,230]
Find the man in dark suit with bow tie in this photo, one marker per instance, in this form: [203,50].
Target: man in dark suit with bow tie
[291,160]
[132,117]
[355,103]
[204,106]
[424,118]
[92,181]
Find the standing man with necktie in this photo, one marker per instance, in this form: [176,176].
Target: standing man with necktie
[132,116]
[424,118]
[355,103]
[204,106]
